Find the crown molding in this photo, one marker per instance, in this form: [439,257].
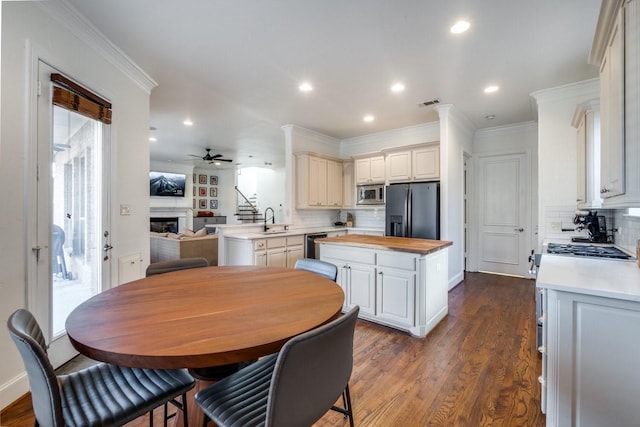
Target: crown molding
[589,87]
[516,128]
[606,20]
[84,30]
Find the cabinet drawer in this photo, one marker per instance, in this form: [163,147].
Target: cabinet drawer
[259,245]
[295,240]
[347,254]
[276,242]
[397,260]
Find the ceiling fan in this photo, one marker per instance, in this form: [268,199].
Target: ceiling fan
[212,159]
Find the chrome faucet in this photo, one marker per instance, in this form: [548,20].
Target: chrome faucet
[266,218]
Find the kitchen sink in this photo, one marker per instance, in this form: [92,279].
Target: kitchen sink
[274,232]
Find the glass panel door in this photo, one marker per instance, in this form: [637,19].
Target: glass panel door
[76,229]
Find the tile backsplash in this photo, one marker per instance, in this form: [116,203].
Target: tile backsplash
[628,230]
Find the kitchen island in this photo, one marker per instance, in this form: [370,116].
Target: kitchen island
[397,281]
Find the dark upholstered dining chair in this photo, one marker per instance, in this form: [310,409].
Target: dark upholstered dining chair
[101,395]
[175,265]
[322,268]
[292,388]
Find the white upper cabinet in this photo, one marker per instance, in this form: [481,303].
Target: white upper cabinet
[587,122]
[370,170]
[612,95]
[319,182]
[616,48]
[415,164]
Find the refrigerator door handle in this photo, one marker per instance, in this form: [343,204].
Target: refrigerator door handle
[407,214]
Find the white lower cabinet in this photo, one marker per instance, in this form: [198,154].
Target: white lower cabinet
[272,252]
[593,360]
[398,289]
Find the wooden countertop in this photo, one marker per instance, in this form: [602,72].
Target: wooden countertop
[400,244]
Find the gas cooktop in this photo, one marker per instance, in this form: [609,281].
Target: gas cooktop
[587,251]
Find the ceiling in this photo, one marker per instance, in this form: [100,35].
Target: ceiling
[234,67]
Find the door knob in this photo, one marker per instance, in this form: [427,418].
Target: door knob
[519,229]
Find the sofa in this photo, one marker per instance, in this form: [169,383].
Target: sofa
[168,246]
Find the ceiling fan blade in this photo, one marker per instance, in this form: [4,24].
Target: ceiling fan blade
[194,155]
[223,160]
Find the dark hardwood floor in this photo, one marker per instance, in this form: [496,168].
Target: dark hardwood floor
[478,367]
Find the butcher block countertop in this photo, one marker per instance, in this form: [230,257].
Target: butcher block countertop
[400,244]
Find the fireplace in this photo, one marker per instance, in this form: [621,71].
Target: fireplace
[164,224]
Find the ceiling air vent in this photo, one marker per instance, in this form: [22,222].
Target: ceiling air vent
[434,101]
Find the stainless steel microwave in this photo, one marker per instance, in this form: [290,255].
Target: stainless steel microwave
[370,194]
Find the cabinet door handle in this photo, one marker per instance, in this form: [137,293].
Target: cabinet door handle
[519,229]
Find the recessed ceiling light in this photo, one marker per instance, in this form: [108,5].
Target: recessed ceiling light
[460,27]
[490,117]
[153,139]
[397,87]
[368,118]
[491,89]
[305,87]
[187,123]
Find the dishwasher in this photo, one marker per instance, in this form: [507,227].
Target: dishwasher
[310,245]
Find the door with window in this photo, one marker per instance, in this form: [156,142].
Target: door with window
[71,257]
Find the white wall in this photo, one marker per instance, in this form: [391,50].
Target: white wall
[27,24]
[557,154]
[456,136]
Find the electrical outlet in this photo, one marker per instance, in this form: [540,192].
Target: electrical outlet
[556,226]
[125,209]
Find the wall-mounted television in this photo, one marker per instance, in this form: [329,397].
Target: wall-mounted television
[167,184]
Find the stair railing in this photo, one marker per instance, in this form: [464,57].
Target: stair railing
[251,205]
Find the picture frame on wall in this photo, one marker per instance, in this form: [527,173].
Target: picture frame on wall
[194,203]
[213,192]
[194,178]
[203,192]
[213,180]
[213,204]
[195,191]
[202,179]
[203,203]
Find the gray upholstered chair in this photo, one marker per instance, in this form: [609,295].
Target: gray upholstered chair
[322,268]
[101,395]
[175,264]
[292,388]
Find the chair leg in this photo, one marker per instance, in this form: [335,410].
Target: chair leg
[151,418]
[166,414]
[347,411]
[185,413]
[348,405]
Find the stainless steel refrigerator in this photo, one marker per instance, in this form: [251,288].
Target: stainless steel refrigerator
[413,210]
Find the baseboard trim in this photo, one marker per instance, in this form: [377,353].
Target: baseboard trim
[13,391]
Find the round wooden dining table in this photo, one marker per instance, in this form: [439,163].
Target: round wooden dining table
[202,317]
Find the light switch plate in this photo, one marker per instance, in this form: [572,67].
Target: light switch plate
[125,209]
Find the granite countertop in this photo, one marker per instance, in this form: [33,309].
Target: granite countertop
[400,244]
[590,276]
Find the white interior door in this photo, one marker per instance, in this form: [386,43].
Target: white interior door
[504,214]
[70,187]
